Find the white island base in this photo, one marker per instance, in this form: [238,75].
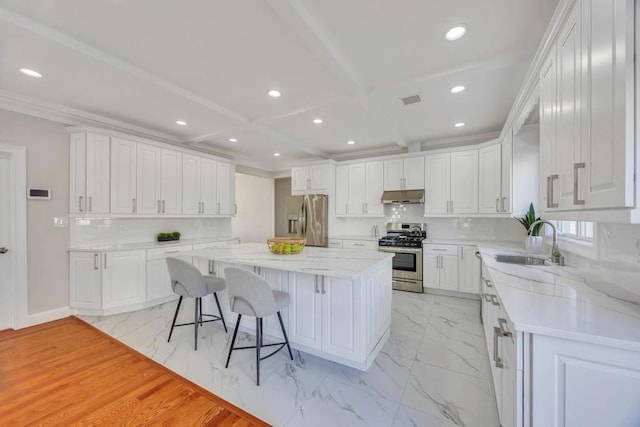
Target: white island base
[340,299]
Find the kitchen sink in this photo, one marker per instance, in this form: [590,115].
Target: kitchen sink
[520,259]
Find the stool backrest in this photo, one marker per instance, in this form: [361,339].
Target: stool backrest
[186,279]
[247,287]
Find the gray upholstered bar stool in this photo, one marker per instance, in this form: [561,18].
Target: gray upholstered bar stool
[251,295]
[187,281]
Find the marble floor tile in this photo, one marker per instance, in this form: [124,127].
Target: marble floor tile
[461,399]
[408,417]
[402,344]
[467,356]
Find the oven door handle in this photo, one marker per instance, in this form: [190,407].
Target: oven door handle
[389,249]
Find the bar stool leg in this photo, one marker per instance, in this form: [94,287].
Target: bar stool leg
[195,322]
[215,295]
[175,316]
[286,339]
[258,343]
[233,340]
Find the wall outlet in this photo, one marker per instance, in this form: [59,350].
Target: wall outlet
[61,222]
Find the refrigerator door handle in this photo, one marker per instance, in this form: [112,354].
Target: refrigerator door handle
[303,219]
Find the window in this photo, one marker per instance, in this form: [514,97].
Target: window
[576,236]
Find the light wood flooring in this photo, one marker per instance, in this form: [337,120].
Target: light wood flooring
[68,373]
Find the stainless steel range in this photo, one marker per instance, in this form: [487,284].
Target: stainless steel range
[405,241]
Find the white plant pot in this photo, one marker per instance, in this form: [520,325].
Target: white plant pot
[534,244]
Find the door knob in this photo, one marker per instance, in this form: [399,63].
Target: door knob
[4,250]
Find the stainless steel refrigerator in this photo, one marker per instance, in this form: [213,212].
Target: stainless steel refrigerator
[307,217]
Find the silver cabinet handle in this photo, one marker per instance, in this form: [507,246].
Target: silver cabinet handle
[504,202]
[80,203]
[105,261]
[324,291]
[487,298]
[95,261]
[496,358]
[552,178]
[549,191]
[497,204]
[488,283]
[218,207]
[451,206]
[494,300]
[235,208]
[438,249]
[462,253]
[576,168]
[315,285]
[159,206]
[202,207]
[163,206]
[504,331]
[133,205]
[358,244]
[366,207]
[90,203]
[210,267]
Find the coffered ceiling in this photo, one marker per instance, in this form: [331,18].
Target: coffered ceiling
[139,66]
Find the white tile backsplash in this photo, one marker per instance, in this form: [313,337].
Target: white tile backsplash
[131,230]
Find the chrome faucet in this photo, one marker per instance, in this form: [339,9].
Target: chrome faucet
[556,257]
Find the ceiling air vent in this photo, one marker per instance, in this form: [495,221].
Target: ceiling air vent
[411,100]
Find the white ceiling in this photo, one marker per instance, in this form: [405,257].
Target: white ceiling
[141,65]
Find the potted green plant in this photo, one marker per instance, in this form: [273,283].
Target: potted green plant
[166,237]
[533,242]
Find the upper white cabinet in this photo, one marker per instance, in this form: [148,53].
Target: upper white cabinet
[587,111]
[199,189]
[123,176]
[316,178]
[171,178]
[404,174]
[225,189]
[490,179]
[148,179]
[89,173]
[506,149]
[359,189]
[451,183]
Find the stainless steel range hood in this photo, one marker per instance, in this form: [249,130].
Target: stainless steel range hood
[407,197]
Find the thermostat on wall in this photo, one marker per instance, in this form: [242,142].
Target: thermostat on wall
[39,193]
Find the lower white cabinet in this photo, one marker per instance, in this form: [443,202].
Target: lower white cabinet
[85,286]
[158,281]
[468,270]
[440,267]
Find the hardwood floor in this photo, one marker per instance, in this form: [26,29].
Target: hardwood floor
[68,373]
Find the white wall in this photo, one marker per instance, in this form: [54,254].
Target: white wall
[255,197]
[47,146]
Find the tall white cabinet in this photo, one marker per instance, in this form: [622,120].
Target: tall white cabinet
[124,199]
[89,173]
[451,183]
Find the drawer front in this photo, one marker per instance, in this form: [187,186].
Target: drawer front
[440,249]
[162,253]
[335,243]
[360,244]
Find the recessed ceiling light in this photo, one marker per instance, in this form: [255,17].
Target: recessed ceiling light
[351,142]
[181,122]
[276,154]
[459,125]
[456,33]
[318,121]
[233,140]
[457,89]
[274,93]
[30,73]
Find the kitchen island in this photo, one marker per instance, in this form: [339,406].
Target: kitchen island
[340,299]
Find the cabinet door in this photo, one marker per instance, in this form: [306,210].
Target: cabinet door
[468,270]
[279,281]
[225,185]
[98,151]
[191,201]
[374,188]
[431,271]
[158,280]
[305,326]
[77,173]
[393,174]
[123,278]
[548,139]
[85,280]
[414,173]
[509,383]
[464,181]
[449,272]
[320,177]
[208,186]
[437,186]
[490,180]
[609,120]
[341,317]
[149,160]
[507,176]
[300,178]
[171,186]
[357,189]
[342,190]
[123,176]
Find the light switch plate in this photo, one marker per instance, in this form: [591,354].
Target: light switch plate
[61,222]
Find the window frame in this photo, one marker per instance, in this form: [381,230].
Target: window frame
[575,243]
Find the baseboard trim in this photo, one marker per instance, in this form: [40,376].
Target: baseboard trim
[47,316]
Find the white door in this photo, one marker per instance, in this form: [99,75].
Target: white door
[342,190]
[357,189]
[78,173]
[341,316]
[490,196]
[85,289]
[548,140]
[191,202]
[171,182]
[149,159]
[300,179]
[437,187]
[123,278]
[414,173]
[507,153]
[225,184]
[393,174]
[469,270]
[431,271]
[123,176]
[464,182]
[449,272]
[98,153]
[6,279]
[320,178]
[208,188]
[374,188]
[305,327]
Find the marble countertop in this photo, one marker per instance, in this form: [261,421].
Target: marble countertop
[563,301]
[338,263]
[470,242]
[347,237]
[146,245]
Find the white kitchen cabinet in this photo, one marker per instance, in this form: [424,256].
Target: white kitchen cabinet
[374,175]
[437,183]
[342,190]
[199,185]
[305,325]
[278,281]
[548,134]
[171,182]
[404,174]
[490,179]
[85,284]
[464,182]
[359,189]
[341,314]
[89,173]
[440,267]
[431,271]
[209,186]
[449,272]
[360,244]
[468,270]
[158,282]
[123,176]
[226,189]
[316,178]
[123,278]
[149,171]
[506,151]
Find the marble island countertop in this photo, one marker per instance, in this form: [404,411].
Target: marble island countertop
[563,301]
[338,263]
[107,247]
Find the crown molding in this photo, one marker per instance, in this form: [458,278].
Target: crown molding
[459,141]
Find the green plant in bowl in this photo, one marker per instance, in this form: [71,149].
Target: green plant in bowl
[529,219]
